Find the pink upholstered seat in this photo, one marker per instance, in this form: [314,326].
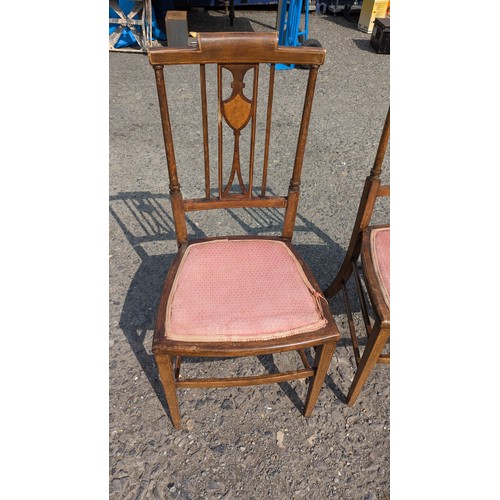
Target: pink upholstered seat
[240,290]
[380,242]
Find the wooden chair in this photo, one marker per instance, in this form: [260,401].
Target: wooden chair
[239,295]
[371,243]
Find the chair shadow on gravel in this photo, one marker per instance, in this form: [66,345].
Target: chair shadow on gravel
[145,220]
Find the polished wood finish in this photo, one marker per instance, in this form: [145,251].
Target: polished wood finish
[359,247]
[369,196]
[238,56]
[371,354]
[236,48]
[175,188]
[244,381]
[324,354]
[254,202]
[164,363]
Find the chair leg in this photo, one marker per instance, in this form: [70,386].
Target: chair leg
[346,268]
[333,288]
[342,277]
[376,342]
[322,360]
[166,370]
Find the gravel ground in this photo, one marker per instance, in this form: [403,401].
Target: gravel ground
[242,442]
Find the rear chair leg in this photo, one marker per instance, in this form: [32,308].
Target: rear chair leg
[166,370]
[322,360]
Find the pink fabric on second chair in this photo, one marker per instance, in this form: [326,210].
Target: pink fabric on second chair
[381,250]
[240,290]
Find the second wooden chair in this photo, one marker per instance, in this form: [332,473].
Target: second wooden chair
[370,244]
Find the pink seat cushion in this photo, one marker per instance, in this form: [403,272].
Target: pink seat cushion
[381,249]
[240,290]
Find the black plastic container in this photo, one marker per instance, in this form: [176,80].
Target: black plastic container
[380,39]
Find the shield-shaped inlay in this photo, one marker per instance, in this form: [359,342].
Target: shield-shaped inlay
[237,112]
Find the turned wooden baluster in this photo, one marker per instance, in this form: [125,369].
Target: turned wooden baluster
[175,188]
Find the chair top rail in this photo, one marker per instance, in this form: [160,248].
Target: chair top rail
[236,48]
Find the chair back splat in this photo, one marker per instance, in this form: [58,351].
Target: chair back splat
[238,295]
[239,54]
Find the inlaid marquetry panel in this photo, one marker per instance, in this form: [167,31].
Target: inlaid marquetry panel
[236,111]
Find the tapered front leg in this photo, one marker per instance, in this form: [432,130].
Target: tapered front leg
[376,342]
[166,370]
[322,360]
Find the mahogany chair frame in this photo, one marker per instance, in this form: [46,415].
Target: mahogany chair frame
[239,53]
[359,247]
